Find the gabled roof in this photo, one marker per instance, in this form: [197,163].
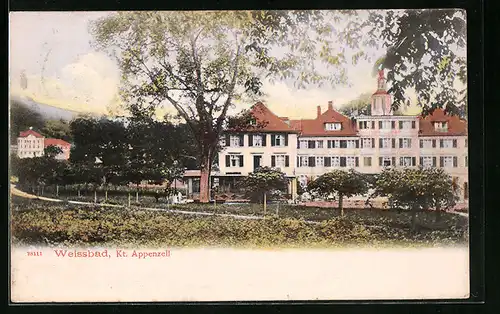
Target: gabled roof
[267,121]
[316,127]
[30,132]
[55,142]
[456,126]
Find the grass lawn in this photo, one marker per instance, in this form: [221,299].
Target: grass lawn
[35,221]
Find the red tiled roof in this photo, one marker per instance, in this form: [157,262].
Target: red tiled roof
[268,120]
[456,126]
[30,132]
[316,127]
[55,142]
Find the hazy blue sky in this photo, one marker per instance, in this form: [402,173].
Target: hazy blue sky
[54,50]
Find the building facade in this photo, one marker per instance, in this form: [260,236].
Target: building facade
[307,148]
[32,144]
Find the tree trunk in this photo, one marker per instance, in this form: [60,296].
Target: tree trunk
[265,204]
[79,193]
[205,181]
[42,190]
[341,207]
[137,194]
[57,190]
[129,199]
[95,195]
[106,195]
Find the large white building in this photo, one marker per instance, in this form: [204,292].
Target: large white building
[32,144]
[307,148]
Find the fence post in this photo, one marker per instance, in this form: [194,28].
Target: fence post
[128,199]
[106,195]
[95,196]
[265,204]
[57,190]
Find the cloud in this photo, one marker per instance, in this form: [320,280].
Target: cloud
[89,84]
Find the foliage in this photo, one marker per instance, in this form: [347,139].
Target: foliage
[52,151]
[201,62]
[36,223]
[264,180]
[57,129]
[425,52]
[343,183]
[22,118]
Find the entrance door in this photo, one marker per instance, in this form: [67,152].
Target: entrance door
[256,161]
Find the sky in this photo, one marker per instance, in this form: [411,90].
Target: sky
[64,70]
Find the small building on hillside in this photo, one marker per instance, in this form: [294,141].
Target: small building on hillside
[63,145]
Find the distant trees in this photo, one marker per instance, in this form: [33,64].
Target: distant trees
[22,118]
[57,129]
[340,182]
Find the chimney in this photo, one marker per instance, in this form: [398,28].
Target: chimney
[330,105]
[319,111]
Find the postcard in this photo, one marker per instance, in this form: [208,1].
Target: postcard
[186,156]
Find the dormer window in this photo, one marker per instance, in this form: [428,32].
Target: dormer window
[253,122]
[336,126]
[441,126]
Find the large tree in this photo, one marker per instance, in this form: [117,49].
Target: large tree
[425,51]
[264,182]
[201,62]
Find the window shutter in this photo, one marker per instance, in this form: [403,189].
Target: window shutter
[413,125]
[393,143]
[298,143]
[434,161]
[400,124]
[286,139]
[393,161]
[312,162]
[400,142]
[298,161]
[380,161]
[441,143]
[373,143]
[313,144]
[328,161]
[228,161]
[273,161]
[342,161]
[433,143]
[360,124]
[373,124]
[380,143]
[401,161]
[250,139]
[441,161]
[241,160]
[264,137]
[287,161]
[329,143]
[361,143]
[273,140]
[454,143]
[242,140]
[409,143]
[228,139]
[357,143]
[380,124]
[421,161]
[413,161]
[393,124]
[357,161]
[455,161]
[421,143]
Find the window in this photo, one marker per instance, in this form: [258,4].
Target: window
[257,140]
[351,144]
[427,161]
[303,161]
[303,144]
[441,126]
[385,143]
[367,143]
[407,161]
[280,161]
[279,140]
[405,143]
[447,161]
[351,161]
[427,143]
[367,161]
[320,161]
[234,160]
[333,126]
[234,141]
[385,125]
[333,143]
[336,161]
[319,144]
[447,143]
[387,161]
[405,125]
